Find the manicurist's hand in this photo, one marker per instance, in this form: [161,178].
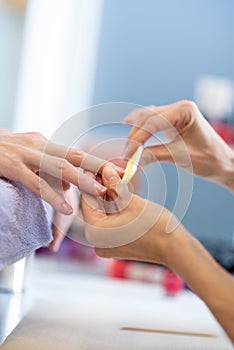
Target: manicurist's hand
[189,135]
[46,168]
[125,225]
[137,230]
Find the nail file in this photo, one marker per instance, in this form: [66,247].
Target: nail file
[132,165]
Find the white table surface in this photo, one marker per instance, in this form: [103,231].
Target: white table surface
[77,311]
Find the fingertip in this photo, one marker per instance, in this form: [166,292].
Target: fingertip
[130,148]
[55,245]
[100,190]
[127,122]
[53,248]
[109,173]
[66,209]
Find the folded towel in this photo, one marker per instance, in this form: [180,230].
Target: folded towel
[24,224]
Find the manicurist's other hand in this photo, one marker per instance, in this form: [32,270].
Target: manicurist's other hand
[189,134]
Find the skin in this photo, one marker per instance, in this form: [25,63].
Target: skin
[48,170]
[180,251]
[212,159]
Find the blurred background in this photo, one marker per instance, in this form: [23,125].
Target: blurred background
[59,57]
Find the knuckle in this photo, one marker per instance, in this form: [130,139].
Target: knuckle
[150,124]
[37,187]
[76,157]
[188,105]
[143,114]
[16,162]
[79,154]
[63,164]
[36,134]
[151,109]
[41,187]
[35,139]
[141,137]
[137,111]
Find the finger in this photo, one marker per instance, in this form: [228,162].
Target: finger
[90,162]
[90,174]
[173,121]
[117,190]
[64,170]
[156,123]
[110,180]
[108,204]
[58,239]
[91,209]
[136,113]
[78,158]
[61,223]
[55,183]
[159,153]
[4,132]
[141,135]
[99,179]
[89,185]
[143,131]
[176,119]
[137,119]
[43,190]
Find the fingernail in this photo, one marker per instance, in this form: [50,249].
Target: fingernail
[129,150]
[55,245]
[67,209]
[120,170]
[100,189]
[110,172]
[143,161]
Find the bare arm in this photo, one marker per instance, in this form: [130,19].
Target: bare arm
[189,259]
[178,250]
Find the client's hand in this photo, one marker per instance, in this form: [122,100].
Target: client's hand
[61,223]
[46,168]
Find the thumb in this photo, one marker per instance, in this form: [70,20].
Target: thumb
[111,179]
[92,209]
[116,189]
[159,153]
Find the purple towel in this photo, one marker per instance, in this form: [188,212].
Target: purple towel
[24,224]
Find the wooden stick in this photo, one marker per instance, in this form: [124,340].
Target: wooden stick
[163,331]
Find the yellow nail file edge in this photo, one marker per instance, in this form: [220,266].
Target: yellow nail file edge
[132,165]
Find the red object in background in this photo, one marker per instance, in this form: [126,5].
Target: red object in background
[172,283]
[225,130]
[117,269]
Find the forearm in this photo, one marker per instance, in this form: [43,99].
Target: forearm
[225,168]
[228,177]
[188,258]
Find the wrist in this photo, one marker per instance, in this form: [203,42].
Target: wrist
[174,247]
[227,174]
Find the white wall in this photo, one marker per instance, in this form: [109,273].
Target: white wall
[11,29]
[58,62]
